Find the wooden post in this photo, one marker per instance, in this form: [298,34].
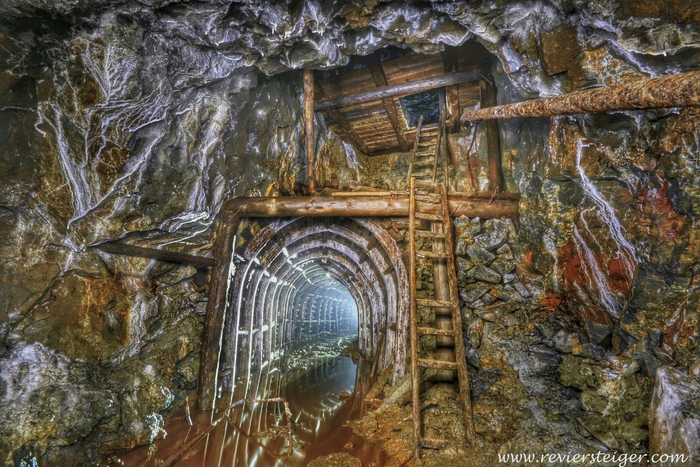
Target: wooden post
[451,64]
[488,99]
[309,130]
[216,312]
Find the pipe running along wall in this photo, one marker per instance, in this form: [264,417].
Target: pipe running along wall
[681,90]
[303,278]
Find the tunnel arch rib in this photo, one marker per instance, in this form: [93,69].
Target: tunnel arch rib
[291,285]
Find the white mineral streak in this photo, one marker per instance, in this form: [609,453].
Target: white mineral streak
[109,122]
[598,282]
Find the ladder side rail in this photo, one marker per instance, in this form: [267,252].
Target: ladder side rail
[460,352]
[415,377]
[414,150]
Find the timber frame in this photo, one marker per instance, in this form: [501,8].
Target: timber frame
[372,120]
[394,205]
[362,101]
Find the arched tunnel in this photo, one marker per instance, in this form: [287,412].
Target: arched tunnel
[309,277]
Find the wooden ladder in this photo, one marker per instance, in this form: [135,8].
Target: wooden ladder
[424,155]
[428,202]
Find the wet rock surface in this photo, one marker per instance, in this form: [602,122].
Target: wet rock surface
[136,120]
[340,459]
[674,415]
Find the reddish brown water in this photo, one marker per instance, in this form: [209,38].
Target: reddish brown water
[256,434]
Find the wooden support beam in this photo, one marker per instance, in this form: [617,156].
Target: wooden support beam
[216,312]
[375,67]
[402,89]
[152,253]
[309,130]
[493,138]
[681,90]
[451,64]
[503,205]
[342,122]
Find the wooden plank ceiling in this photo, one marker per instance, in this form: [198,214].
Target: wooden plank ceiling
[380,127]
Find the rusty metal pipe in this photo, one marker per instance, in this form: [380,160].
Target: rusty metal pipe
[681,90]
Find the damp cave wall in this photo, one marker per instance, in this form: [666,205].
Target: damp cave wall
[135,121]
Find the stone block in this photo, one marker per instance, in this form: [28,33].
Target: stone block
[598,333]
[502,266]
[506,252]
[479,255]
[484,273]
[493,239]
[473,292]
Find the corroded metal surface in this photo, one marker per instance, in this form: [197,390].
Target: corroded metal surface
[682,90]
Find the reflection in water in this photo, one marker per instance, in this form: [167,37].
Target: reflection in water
[255,434]
[318,414]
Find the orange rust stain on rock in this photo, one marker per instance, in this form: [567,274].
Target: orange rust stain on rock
[550,300]
[618,278]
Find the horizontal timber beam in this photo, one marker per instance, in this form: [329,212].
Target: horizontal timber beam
[504,205]
[152,253]
[681,90]
[412,87]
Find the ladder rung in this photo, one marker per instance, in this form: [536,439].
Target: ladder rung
[432,254]
[428,233]
[429,198]
[432,443]
[428,217]
[439,364]
[425,153]
[425,183]
[435,332]
[433,303]
[423,164]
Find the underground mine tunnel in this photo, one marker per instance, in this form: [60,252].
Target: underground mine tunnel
[349,233]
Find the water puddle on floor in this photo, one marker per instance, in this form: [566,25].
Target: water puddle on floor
[321,398]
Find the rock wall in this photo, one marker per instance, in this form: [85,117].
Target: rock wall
[136,120]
